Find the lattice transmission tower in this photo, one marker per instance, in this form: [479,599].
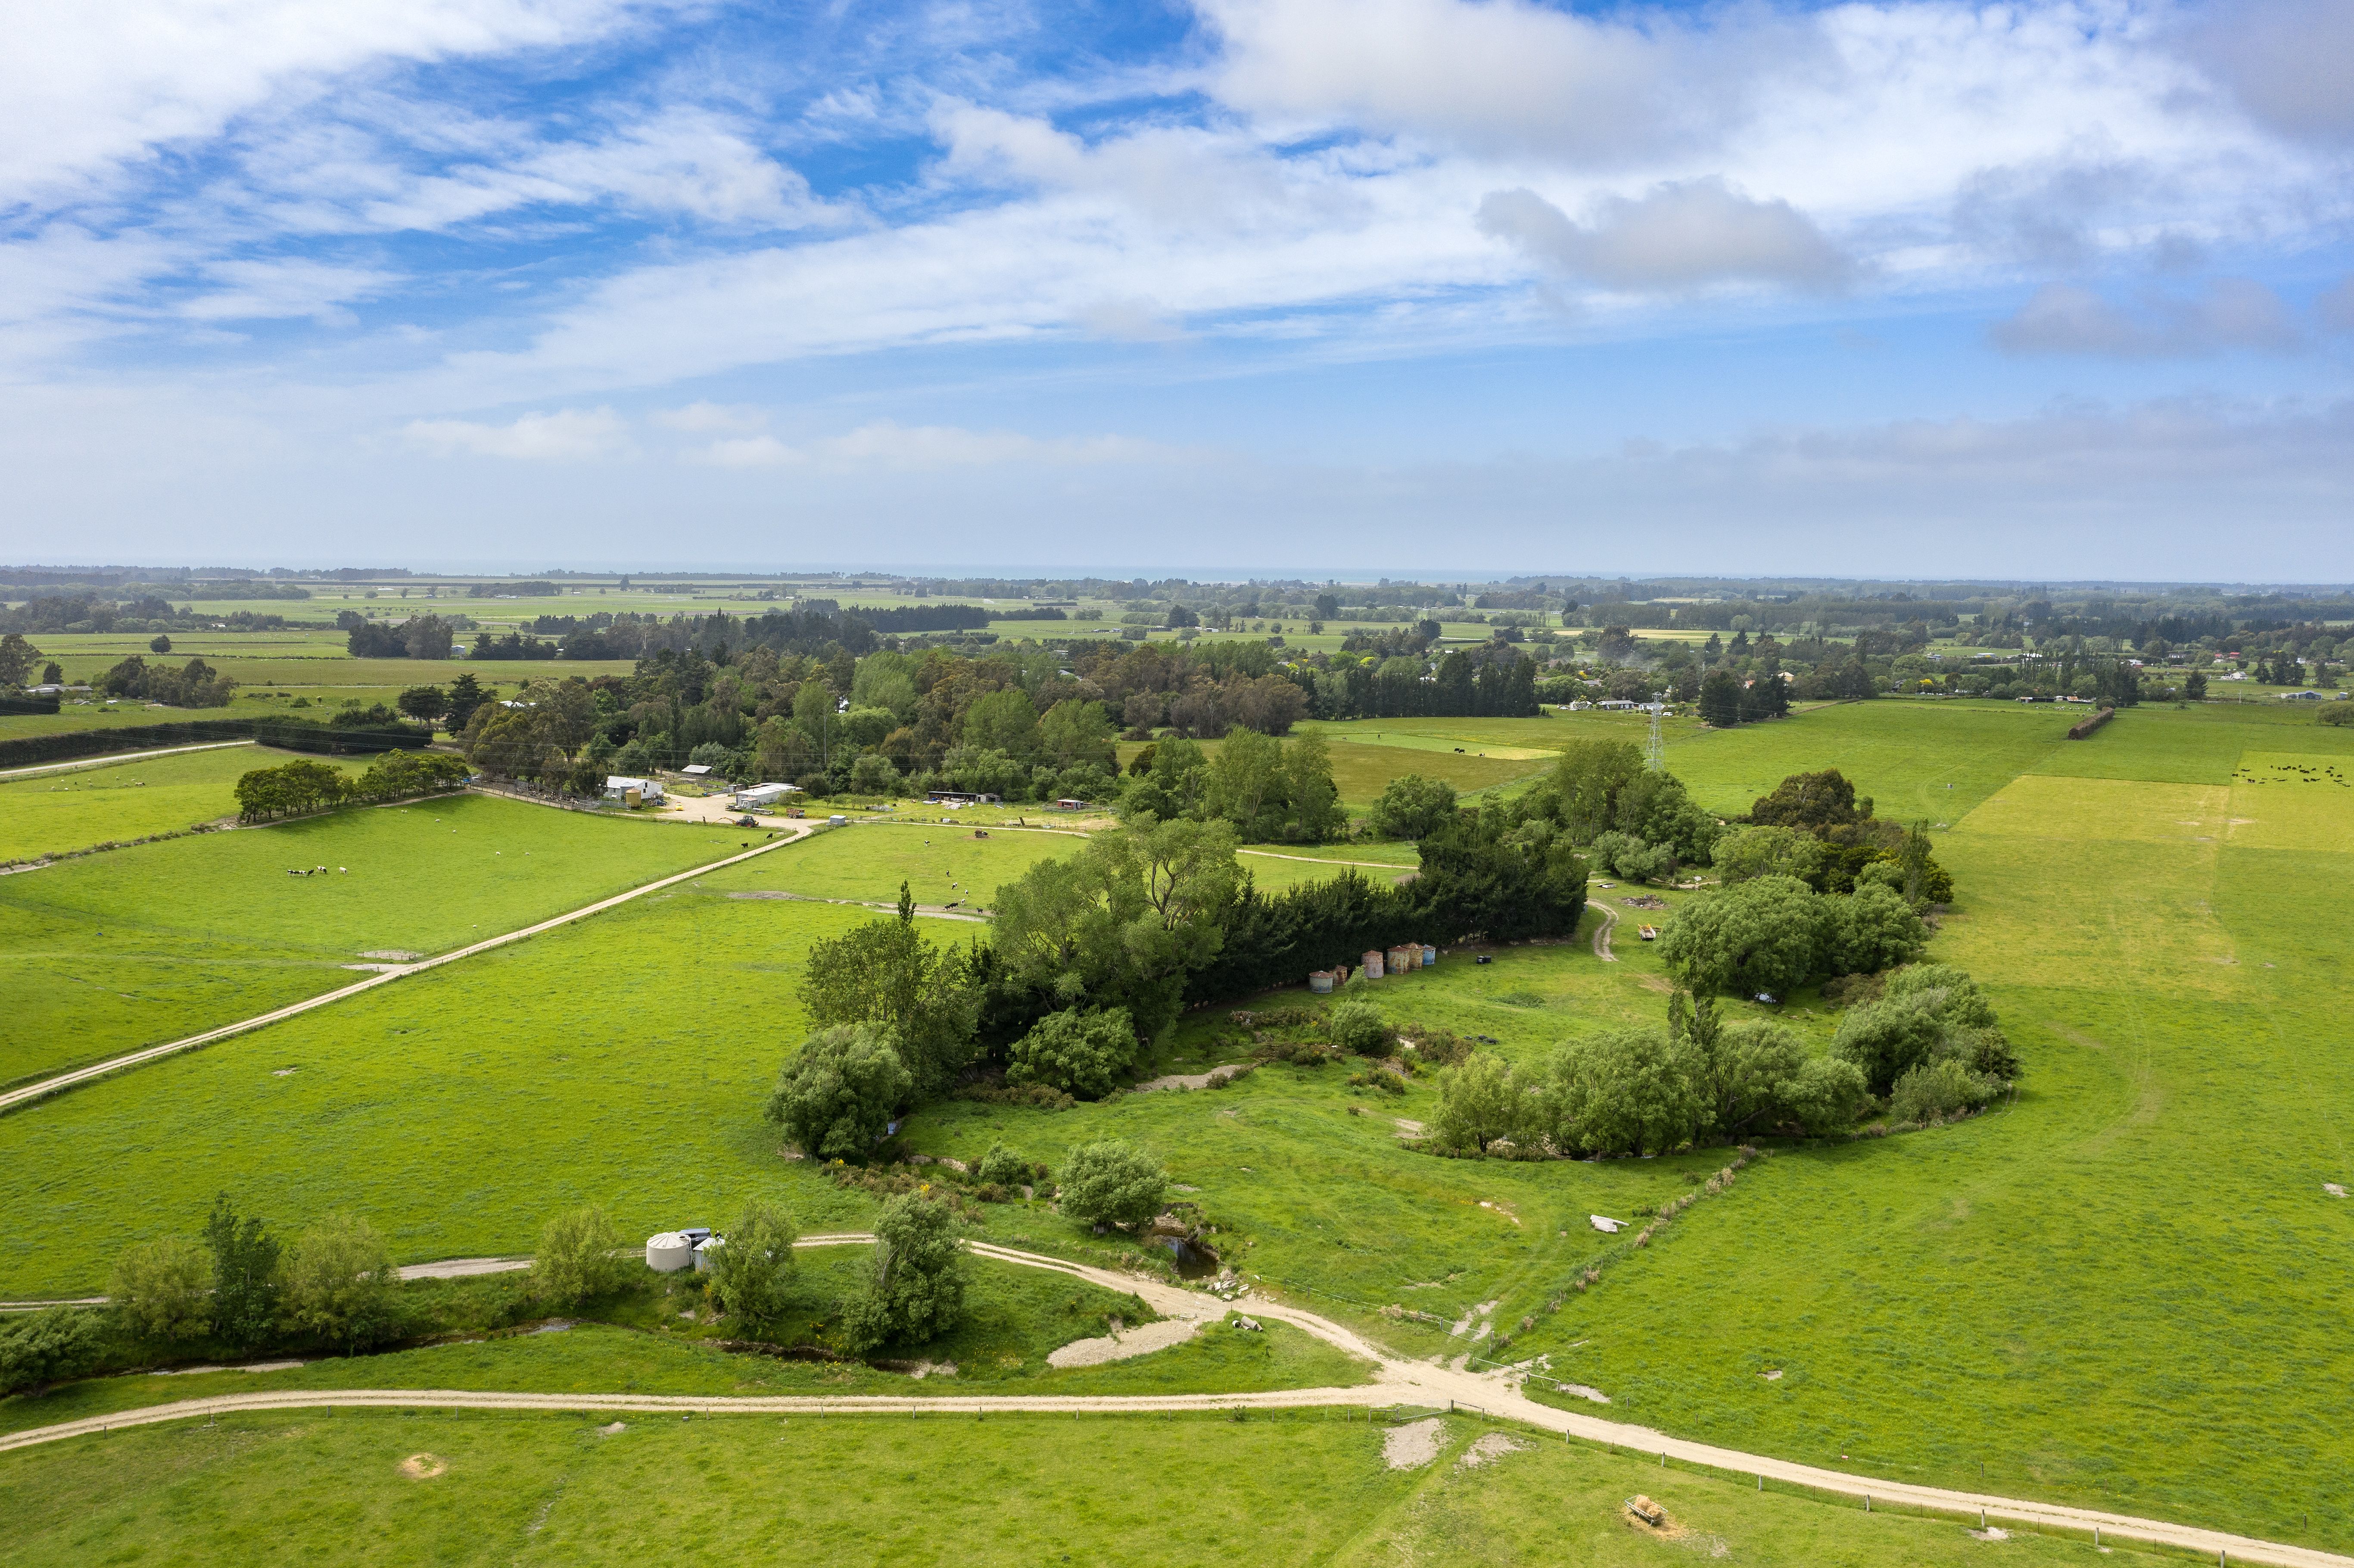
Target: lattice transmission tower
[1654,749]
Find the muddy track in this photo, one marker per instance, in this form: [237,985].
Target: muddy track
[1602,933]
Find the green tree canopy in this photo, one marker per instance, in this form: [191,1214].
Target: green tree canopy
[915,1280]
[340,1280]
[245,1275]
[835,1097]
[1123,921]
[751,1269]
[1759,937]
[41,1348]
[575,1260]
[1412,807]
[162,1289]
[1481,1102]
[1812,801]
[1111,1183]
[886,974]
[1080,1051]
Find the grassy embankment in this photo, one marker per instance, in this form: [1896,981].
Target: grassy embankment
[107,953]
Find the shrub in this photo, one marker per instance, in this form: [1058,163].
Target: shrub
[1925,1011]
[1112,1183]
[2344,715]
[1080,1051]
[1825,1094]
[1936,1090]
[245,1275]
[339,1282]
[575,1261]
[1629,1091]
[1479,1103]
[162,1289]
[752,1268]
[835,1096]
[1356,1027]
[1002,1167]
[916,1284]
[1872,928]
[42,1348]
[1759,937]
[1412,807]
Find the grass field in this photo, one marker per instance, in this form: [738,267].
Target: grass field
[1016,1315]
[1305,1487]
[937,862]
[2122,1291]
[56,813]
[109,952]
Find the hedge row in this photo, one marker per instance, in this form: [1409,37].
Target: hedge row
[28,704]
[289,734]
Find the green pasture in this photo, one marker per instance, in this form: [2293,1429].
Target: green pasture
[56,813]
[939,862]
[81,715]
[1017,1315]
[109,952]
[1276,870]
[2120,1290]
[1297,1487]
[1913,758]
[1361,772]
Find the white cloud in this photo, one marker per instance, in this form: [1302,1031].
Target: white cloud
[257,291]
[2232,314]
[86,86]
[570,435]
[893,445]
[1679,236]
[747,451]
[706,415]
[1496,77]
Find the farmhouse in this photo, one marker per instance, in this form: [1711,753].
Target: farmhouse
[962,798]
[619,789]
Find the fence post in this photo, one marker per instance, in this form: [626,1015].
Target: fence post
[1867,1502]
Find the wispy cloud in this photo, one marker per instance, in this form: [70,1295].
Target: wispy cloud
[2230,313]
[570,435]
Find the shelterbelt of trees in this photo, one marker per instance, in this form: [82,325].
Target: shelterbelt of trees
[1094,955]
[1026,722]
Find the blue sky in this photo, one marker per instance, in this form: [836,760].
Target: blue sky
[1237,285]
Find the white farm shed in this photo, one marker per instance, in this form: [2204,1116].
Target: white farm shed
[618,788]
[760,797]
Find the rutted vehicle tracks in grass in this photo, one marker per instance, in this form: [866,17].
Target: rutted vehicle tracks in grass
[1419,1384]
[16,1097]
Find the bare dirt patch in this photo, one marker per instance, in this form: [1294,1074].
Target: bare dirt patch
[1490,1447]
[1414,1444]
[423,1466]
[1189,1080]
[1120,1347]
[612,1429]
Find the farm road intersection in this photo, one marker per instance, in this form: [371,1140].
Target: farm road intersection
[1420,1384]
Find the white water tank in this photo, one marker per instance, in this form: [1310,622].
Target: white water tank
[668,1252]
[705,1253]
